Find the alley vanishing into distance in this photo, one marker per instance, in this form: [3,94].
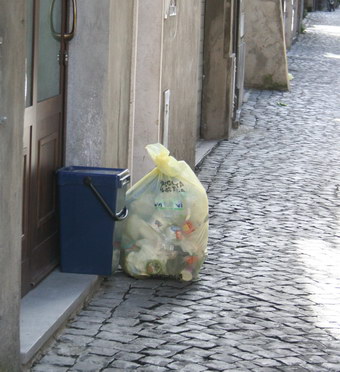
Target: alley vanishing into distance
[268,297]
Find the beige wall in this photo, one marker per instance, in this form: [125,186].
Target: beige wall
[181,49]
[146,86]
[122,19]
[119,68]
[12,33]
[167,52]
[266,59]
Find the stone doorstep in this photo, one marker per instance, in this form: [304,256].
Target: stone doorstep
[46,308]
[203,148]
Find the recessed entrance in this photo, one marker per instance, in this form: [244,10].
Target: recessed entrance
[46,59]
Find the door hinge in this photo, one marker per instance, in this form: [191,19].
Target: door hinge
[63,57]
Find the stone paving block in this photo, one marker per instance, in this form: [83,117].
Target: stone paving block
[91,363]
[302,369]
[200,336]
[163,352]
[134,347]
[292,361]
[123,321]
[128,356]
[68,349]
[190,357]
[156,361]
[120,365]
[190,367]
[177,348]
[82,332]
[218,365]
[75,339]
[92,316]
[58,360]
[175,329]
[202,352]
[105,311]
[116,328]
[266,362]
[225,357]
[183,365]
[49,368]
[332,358]
[175,338]
[106,303]
[334,367]
[247,365]
[102,351]
[152,369]
[81,324]
[119,337]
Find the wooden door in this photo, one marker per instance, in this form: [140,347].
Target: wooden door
[43,137]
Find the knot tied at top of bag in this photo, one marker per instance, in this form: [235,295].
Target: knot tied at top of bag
[164,162]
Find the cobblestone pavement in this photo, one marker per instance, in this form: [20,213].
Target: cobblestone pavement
[268,298]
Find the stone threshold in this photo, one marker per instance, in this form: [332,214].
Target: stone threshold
[203,148]
[46,308]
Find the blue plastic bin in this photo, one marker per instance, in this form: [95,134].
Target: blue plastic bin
[91,203]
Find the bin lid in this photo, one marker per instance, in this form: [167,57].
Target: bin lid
[74,175]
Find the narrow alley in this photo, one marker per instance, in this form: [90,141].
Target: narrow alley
[268,297]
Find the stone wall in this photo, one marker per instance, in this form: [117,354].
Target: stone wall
[266,59]
[98,102]
[12,33]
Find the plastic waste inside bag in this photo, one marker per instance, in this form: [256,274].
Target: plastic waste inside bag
[166,233]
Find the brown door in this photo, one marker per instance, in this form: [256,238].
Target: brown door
[43,137]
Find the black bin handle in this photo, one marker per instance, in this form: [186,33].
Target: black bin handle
[120,216]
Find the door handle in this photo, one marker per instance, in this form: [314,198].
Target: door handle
[69,35]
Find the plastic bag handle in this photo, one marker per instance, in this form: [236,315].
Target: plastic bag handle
[120,216]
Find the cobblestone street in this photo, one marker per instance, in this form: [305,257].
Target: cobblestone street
[268,297]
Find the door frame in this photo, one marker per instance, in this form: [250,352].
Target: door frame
[32,115]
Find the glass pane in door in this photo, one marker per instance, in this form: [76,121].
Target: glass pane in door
[49,48]
[29,53]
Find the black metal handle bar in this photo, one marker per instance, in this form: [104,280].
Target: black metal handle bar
[120,216]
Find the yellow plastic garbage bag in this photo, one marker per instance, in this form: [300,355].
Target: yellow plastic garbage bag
[166,233]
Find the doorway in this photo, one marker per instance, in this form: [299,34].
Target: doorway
[45,76]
